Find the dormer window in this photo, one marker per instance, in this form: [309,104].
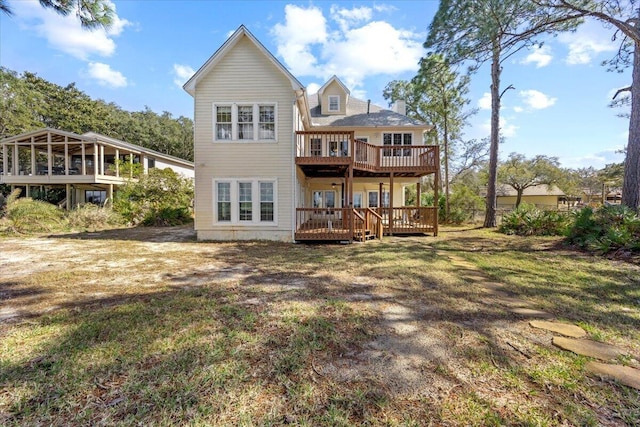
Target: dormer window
[334,103]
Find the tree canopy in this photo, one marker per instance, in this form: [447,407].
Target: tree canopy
[492,31]
[31,102]
[91,13]
[520,173]
[624,17]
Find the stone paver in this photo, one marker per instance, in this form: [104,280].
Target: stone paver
[589,348]
[559,328]
[624,374]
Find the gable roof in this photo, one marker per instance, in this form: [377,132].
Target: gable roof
[242,31]
[338,81]
[361,113]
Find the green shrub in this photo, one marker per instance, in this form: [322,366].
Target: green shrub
[34,216]
[93,217]
[606,229]
[161,197]
[527,220]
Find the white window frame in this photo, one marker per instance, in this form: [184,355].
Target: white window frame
[256,137]
[335,98]
[256,217]
[396,150]
[355,195]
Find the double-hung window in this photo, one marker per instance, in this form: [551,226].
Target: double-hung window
[245,204]
[223,122]
[247,201]
[267,202]
[267,122]
[246,122]
[334,103]
[224,201]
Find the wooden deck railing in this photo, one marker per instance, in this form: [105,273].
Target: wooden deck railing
[344,224]
[324,148]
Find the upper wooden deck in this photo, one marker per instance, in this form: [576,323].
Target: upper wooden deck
[330,153]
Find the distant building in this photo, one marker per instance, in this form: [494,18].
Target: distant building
[83,165]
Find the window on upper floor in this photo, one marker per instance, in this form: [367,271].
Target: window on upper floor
[245,122]
[334,103]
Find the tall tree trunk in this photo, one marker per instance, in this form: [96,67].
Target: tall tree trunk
[631,184]
[518,197]
[446,170]
[490,214]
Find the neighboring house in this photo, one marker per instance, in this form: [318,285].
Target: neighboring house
[543,196]
[83,165]
[273,162]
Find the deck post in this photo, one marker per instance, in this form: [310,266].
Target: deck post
[352,224]
[436,179]
[117,162]
[66,156]
[418,194]
[68,194]
[84,164]
[390,204]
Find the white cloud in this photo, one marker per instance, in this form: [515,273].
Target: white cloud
[484,103]
[65,33]
[302,29]
[347,18]
[313,88]
[181,74]
[518,109]
[587,42]
[540,55]
[536,99]
[357,48]
[597,160]
[105,76]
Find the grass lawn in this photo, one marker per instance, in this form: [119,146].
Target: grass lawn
[148,327]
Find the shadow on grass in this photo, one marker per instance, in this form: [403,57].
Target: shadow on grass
[274,333]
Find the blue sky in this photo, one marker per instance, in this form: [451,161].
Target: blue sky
[558,107]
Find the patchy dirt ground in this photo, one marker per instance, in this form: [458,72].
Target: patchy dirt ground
[435,338]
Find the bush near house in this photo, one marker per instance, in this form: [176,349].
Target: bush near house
[161,197]
[606,229]
[528,220]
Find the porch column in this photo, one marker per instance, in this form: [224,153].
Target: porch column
[101,159]
[15,165]
[28,193]
[418,194]
[5,159]
[117,162]
[390,203]
[436,178]
[33,157]
[109,195]
[66,157]
[49,155]
[96,165]
[84,165]
[130,165]
[68,193]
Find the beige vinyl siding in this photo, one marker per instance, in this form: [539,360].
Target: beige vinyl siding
[541,201]
[333,89]
[243,75]
[360,185]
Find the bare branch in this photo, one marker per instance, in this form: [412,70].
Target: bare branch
[619,91]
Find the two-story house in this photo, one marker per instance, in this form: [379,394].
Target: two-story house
[273,162]
[86,167]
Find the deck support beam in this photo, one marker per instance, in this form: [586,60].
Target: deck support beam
[418,195]
[390,203]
